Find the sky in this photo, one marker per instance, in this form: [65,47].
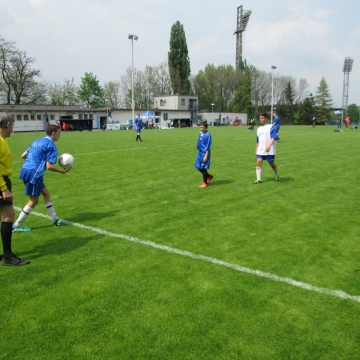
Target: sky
[308,39]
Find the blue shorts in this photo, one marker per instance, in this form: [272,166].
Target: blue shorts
[268,158]
[34,190]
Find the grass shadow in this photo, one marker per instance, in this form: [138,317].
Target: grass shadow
[56,247]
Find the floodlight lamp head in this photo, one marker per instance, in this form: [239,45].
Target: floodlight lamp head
[133,37]
[273,67]
[212,104]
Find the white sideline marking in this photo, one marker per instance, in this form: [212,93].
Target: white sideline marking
[338,293]
[133,149]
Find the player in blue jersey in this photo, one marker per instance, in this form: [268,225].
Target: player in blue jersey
[276,124]
[265,147]
[138,127]
[202,162]
[40,156]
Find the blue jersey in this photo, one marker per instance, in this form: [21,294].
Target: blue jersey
[138,124]
[277,123]
[39,153]
[203,144]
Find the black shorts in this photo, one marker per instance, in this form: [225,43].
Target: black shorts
[8,185]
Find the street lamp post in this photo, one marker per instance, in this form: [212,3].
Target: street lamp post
[272,93]
[212,122]
[107,114]
[132,38]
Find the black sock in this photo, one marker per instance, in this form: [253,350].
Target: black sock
[204,174]
[6,235]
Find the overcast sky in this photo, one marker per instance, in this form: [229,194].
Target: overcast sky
[304,39]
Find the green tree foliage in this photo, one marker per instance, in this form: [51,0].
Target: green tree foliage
[323,102]
[247,92]
[90,93]
[112,94]
[63,95]
[287,107]
[178,60]
[215,85]
[306,112]
[17,78]
[353,112]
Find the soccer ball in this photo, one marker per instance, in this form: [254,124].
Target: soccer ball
[66,161]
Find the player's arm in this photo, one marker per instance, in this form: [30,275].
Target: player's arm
[257,144]
[53,168]
[206,155]
[272,140]
[24,154]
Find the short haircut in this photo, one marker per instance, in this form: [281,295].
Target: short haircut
[5,118]
[204,123]
[265,115]
[51,129]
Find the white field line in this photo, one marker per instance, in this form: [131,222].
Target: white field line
[337,293]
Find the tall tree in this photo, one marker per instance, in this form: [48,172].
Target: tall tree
[353,112]
[90,92]
[306,111]
[178,60]
[112,94]
[65,94]
[324,102]
[17,78]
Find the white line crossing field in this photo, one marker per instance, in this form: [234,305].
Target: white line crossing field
[337,293]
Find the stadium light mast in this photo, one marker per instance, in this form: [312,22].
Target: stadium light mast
[132,38]
[272,93]
[346,70]
[243,17]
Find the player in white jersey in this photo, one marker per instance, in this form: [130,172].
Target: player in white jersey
[265,147]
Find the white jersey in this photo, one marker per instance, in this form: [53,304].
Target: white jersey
[264,134]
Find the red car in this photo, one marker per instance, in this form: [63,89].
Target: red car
[235,122]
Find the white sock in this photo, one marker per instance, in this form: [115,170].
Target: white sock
[25,212]
[50,208]
[258,173]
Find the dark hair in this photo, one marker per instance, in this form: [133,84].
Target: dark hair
[5,118]
[265,115]
[51,129]
[204,123]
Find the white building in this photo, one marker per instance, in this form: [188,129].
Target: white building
[169,110]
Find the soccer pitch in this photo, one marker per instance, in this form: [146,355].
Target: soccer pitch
[153,267]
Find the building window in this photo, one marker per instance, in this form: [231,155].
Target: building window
[18,117]
[91,116]
[52,117]
[165,116]
[182,101]
[80,116]
[162,102]
[32,117]
[26,117]
[85,116]
[38,117]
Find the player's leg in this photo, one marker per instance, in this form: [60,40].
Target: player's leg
[25,212]
[33,191]
[259,161]
[50,207]
[275,169]
[7,214]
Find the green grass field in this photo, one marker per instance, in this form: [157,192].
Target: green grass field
[152,267]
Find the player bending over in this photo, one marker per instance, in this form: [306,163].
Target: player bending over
[265,147]
[40,156]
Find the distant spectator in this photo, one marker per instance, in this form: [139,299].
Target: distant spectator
[347,121]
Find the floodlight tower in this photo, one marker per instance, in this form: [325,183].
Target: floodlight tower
[243,17]
[346,70]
